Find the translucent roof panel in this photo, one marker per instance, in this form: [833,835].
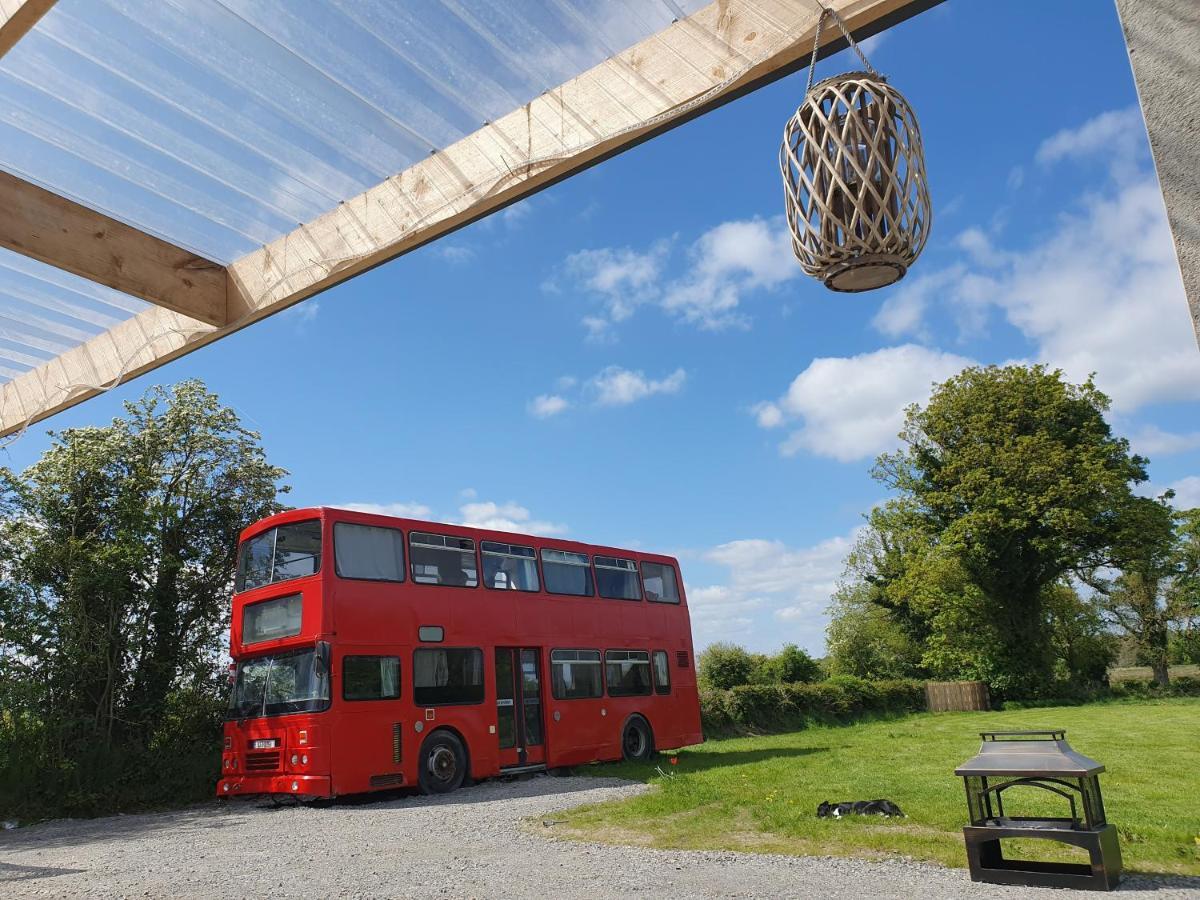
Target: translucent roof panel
[45,312]
[220,125]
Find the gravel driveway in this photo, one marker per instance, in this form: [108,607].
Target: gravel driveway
[470,844]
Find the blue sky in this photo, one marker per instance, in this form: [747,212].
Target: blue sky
[634,358]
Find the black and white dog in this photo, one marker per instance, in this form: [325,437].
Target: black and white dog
[829,810]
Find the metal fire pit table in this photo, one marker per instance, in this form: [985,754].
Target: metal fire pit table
[1044,760]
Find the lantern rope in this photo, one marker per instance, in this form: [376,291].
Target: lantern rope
[812,65]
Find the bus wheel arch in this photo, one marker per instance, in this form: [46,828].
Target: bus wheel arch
[637,739]
[443,763]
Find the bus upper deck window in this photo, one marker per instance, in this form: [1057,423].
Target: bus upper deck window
[660,583]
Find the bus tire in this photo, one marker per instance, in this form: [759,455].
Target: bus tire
[442,766]
[637,741]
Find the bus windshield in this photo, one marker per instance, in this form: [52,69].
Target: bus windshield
[279,554]
[296,681]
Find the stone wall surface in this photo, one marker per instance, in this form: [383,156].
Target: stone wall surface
[1163,37]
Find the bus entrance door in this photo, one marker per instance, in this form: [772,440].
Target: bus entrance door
[519,707]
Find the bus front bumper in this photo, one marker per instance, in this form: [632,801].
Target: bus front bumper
[296,785]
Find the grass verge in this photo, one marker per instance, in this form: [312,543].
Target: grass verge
[761,793]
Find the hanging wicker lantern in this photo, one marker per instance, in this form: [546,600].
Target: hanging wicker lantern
[854,179]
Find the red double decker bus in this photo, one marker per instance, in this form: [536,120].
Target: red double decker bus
[372,652]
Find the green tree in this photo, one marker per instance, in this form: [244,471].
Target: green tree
[1157,589]
[790,665]
[118,549]
[723,665]
[865,641]
[1016,479]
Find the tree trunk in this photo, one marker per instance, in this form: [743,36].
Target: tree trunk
[1162,674]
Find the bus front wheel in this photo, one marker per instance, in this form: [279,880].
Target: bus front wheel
[443,764]
[637,743]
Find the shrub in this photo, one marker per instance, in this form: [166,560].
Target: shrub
[723,666]
[759,708]
[791,665]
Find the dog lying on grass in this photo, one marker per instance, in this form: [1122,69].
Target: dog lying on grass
[829,810]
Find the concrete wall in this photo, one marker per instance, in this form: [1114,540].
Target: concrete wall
[1163,37]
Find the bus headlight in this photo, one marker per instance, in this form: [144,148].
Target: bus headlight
[295,759]
[304,760]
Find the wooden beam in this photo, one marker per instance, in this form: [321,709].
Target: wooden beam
[17,17]
[696,64]
[62,233]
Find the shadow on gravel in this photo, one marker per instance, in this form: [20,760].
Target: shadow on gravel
[10,872]
[196,820]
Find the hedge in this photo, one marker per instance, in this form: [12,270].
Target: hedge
[762,708]
[1181,686]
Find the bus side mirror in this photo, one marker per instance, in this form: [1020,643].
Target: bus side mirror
[321,658]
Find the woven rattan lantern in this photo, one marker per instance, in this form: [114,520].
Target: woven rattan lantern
[854,179]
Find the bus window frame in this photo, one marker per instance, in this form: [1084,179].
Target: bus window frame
[399,675]
[658,688]
[435,647]
[603,678]
[637,574]
[412,576]
[537,565]
[674,571]
[404,568]
[649,664]
[542,573]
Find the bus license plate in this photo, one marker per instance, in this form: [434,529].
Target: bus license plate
[267,744]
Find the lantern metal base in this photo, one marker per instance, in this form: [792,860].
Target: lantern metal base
[865,273]
[988,864]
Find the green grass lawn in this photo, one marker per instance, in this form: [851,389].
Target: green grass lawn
[761,793]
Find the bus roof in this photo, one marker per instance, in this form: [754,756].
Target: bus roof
[340,514]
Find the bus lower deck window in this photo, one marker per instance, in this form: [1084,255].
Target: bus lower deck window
[627,672]
[445,676]
[575,674]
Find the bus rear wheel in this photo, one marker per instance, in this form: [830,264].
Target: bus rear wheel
[637,743]
[442,767]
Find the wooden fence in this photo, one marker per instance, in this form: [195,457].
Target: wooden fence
[956,696]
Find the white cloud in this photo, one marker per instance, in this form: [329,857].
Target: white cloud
[623,277]
[454,253]
[468,493]
[303,313]
[546,405]
[793,586]
[506,517]
[767,414]
[1118,135]
[903,313]
[402,510]
[1152,441]
[725,264]
[851,408]
[615,386]
[1187,492]
[868,46]
[1101,292]
[611,386]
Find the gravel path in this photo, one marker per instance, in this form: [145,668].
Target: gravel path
[470,844]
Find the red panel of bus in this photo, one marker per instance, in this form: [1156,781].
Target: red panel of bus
[372,652]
